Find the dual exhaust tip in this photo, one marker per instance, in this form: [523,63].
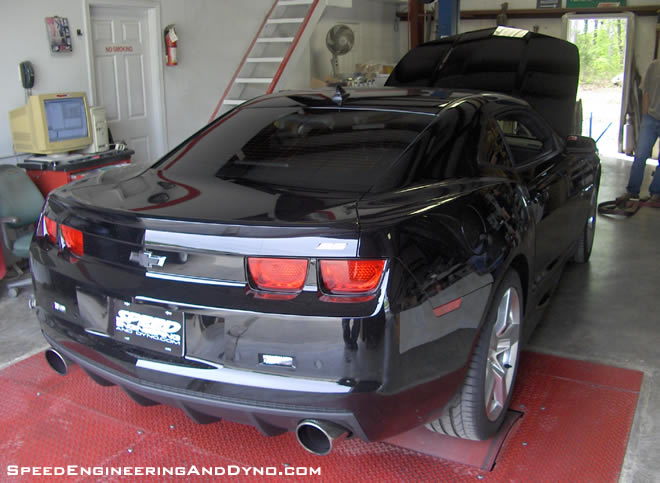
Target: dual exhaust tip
[57,362]
[317,437]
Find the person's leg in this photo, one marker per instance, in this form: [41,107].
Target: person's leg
[654,189]
[645,142]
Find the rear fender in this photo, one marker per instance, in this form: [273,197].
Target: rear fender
[453,241]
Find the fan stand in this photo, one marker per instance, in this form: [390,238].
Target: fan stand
[334,62]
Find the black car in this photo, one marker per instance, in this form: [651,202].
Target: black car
[334,261]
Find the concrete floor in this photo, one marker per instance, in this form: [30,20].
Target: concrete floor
[19,329]
[602,312]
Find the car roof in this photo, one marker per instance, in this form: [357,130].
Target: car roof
[428,101]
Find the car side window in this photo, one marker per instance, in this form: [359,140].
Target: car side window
[448,154]
[525,135]
[446,150]
[492,149]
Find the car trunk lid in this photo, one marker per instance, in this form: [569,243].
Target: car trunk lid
[122,214]
[541,69]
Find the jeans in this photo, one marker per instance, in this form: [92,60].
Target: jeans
[649,132]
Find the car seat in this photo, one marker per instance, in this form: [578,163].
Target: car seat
[20,207]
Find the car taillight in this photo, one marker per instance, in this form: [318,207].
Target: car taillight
[50,228]
[73,239]
[350,277]
[278,274]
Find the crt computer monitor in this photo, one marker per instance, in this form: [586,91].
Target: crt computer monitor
[51,123]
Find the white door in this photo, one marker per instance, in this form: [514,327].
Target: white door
[120,44]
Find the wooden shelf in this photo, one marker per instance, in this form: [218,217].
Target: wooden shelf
[404,16]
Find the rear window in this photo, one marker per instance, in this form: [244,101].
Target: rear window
[334,150]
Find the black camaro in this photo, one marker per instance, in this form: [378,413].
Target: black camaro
[336,261]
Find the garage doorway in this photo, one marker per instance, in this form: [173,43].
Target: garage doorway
[125,73]
[605,43]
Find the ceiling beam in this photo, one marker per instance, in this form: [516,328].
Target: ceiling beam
[642,11]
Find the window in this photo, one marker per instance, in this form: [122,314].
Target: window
[449,151]
[335,150]
[526,136]
[492,150]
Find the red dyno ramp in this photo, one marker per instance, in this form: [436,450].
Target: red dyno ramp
[575,423]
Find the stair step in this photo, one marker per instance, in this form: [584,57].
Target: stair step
[233,102]
[291,3]
[253,80]
[262,40]
[284,20]
[264,59]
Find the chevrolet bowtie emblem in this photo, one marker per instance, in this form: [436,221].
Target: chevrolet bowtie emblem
[147,259]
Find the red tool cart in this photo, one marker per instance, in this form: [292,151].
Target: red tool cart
[49,172]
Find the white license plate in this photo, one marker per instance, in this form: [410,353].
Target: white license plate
[149,327]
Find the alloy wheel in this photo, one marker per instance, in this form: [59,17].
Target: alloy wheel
[502,354]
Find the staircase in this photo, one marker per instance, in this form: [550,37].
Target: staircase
[287,25]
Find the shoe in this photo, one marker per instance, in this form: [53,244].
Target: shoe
[623,200]
[654,200]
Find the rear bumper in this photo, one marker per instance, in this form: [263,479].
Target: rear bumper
[350,371]
[365,412]
[270,420]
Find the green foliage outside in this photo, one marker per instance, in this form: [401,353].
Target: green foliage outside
[602,47]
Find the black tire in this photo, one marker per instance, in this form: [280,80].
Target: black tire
[467,415]
[585,243]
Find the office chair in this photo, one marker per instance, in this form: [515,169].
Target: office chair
[20,206]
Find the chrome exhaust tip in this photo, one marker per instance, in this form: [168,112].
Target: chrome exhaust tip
[318,437]
[57,362]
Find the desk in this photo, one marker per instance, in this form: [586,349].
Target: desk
[49,172]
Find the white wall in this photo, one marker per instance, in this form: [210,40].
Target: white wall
[214,35]
[24,31]
[373,23]
[376,39]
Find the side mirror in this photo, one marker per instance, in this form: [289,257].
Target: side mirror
[580,144]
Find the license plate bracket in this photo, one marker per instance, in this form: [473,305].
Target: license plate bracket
[149,327]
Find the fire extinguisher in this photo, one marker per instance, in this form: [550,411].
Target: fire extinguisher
[170,45]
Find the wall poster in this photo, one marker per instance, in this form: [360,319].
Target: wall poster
[59,35]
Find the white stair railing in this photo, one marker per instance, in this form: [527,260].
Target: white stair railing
[284,26]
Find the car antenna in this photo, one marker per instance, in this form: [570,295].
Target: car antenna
[340,95]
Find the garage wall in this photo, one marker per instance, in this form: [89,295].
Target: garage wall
[192,89]
[378,37]
[25,39]
[214,36]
